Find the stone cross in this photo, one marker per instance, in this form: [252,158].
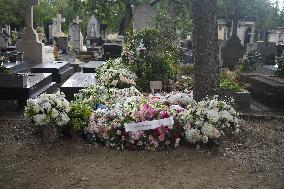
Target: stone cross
[28,4]
[77,20]
[58,21]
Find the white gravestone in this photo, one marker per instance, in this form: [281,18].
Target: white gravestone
[143,16]
[76,38]
[93,28]
[56,26]
[3,41]
[30,45]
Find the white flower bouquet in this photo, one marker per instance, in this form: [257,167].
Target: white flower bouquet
[209,119]
[115,74]
[48,109]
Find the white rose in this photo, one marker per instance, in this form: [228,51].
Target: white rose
[54,113]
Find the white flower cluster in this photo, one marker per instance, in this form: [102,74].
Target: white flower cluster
[113,74]
[179,98]
[48,108]
[210,119]
[121,95]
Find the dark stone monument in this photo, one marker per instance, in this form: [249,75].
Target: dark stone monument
[233,49]
[62,43]
[267,89]
[112,50]
[91,66]
[77,82]
[37,83]
[267,51]
[60,70]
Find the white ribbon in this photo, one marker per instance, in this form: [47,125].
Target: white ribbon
[147,125]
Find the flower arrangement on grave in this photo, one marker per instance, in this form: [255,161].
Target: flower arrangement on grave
[49,112]
[115,74]
[137,123]
[209,119]
[48,109]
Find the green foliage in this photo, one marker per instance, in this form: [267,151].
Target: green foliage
[250,61]
[174,19]
[280,69]
[11,12]
[151,56]
[79,115]
[4,70]
[228,82]
[183,80]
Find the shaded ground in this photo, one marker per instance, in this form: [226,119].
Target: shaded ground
[255,159]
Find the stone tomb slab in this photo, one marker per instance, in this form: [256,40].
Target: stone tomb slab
[60,70]
[77,82]
[17,67]
[37,84]
[268,89]
[112,50]
[91,66]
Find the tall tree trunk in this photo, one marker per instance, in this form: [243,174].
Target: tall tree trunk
[205,49]
[127,18]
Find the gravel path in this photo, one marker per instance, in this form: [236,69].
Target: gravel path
[255,159]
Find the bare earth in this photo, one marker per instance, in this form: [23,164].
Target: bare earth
[255,159]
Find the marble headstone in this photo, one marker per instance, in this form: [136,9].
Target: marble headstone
[31,46]
[143,16]
[76,38]
[56,26]
[93,28]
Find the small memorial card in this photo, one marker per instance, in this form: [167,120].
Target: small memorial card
[156,86]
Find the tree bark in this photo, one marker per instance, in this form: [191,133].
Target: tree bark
[205,49]
[126,19]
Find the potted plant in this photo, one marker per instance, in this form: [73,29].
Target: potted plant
[230,88]
[49,112]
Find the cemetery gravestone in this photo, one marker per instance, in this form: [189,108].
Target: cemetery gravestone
[93,28]
[56,27]
[143,16]
[76,38]
[233,49]
[30,44]
[267,51]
